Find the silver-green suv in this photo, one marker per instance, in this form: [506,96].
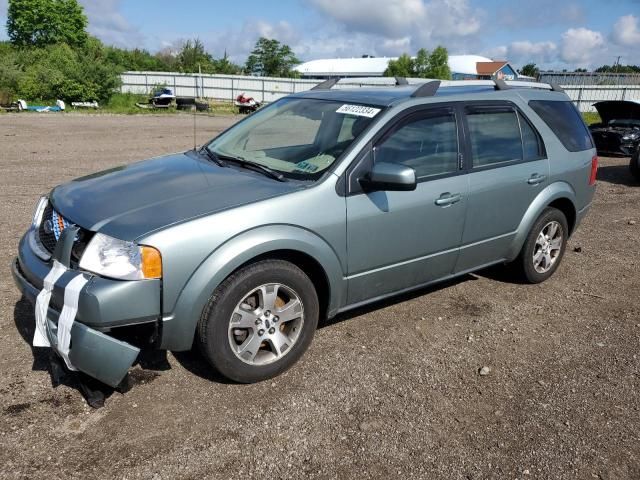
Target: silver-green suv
[321,202]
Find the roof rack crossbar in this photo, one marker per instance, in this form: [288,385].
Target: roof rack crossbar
[326,85]
[501,84]
[427,89]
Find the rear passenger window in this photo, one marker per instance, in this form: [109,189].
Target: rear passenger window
[495,136]
[566,122]
[428,143]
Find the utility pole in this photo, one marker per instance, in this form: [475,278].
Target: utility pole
[617,65]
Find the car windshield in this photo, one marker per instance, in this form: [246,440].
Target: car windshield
[298,137]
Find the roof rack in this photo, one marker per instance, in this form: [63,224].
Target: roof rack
[327,84]
[501,84]
[428,88]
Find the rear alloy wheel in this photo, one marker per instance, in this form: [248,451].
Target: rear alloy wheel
[634,165]
[259,321]
[544,248]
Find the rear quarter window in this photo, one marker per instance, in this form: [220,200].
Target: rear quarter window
[566,122]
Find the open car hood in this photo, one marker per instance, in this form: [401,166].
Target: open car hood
[618,110]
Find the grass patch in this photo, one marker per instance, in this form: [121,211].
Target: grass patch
[591,117]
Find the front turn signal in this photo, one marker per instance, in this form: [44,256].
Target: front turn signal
[151,262]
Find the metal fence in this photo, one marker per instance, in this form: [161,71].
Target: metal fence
[218,87]
[590,78]
[585,96]
[268,89]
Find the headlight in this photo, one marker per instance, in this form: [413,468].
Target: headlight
[120,259]
[37,216]
[631,136]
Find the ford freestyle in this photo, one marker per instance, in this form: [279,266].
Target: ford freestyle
[318,203]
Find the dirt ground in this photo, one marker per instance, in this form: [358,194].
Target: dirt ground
[392,391]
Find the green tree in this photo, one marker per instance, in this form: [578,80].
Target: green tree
[193,58]
[403,66]
[9,70]
[225,66]
[530,70]
[272,59]
[59,71]
[439,64]
[424,65]
[618,69]
[46,22]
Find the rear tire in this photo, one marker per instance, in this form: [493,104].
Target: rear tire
[634,165]
[544,247]
[259,321]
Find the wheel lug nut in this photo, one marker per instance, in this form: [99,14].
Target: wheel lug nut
[275,319]
[261,332]
[272,330]
[258,321]
[267,313]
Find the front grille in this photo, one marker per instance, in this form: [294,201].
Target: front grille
[47,234]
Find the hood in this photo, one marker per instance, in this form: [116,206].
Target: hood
[618,110]
[130,201]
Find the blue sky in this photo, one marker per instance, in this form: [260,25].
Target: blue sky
[552,33]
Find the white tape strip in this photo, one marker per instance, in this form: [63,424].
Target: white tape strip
[40,338]
[68,316]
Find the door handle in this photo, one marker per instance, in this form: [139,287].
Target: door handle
[536,179]
[447,199]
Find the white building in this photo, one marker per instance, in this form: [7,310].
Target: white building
[463,67]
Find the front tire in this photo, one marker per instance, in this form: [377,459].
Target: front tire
[259,321]
[634,165]
[545,246]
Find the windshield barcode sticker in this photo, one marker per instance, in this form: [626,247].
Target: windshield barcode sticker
[359,110]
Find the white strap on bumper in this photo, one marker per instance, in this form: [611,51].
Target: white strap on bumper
[40,338]
[68,316]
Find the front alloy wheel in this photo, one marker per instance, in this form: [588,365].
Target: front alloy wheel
[266,324]
[259,321]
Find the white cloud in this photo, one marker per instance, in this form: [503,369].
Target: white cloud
[581,46]
[387,17]
[108,24]
[626,31]
[526,51]
[406,25]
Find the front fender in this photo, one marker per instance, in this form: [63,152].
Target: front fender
[553,192]
[178,329]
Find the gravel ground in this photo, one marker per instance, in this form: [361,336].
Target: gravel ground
[391,391]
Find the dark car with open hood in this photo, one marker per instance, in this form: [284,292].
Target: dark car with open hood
[619,132]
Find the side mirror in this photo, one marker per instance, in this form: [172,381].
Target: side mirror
[389,177]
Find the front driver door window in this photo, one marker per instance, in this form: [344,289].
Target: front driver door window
[428,144]
[398,240]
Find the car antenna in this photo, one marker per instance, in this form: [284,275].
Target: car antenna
[195,98]
[194,128]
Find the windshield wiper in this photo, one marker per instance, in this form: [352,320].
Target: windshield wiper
[254,166]
[213,157]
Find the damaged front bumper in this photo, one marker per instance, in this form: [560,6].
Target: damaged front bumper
[103,304]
